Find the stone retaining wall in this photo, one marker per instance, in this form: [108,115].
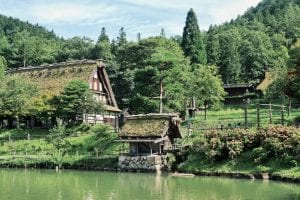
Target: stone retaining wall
[154,163]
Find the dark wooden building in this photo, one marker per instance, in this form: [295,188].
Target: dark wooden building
[237,93]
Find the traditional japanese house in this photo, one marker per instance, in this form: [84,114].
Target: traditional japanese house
[52,78]
[150,133]
[238,93]
[150,138]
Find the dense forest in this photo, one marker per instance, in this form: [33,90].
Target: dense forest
[264,39]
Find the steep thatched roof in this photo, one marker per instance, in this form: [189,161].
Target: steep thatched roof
[52,78]
[151,125]
[268,80]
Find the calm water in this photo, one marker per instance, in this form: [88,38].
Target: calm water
[86,185]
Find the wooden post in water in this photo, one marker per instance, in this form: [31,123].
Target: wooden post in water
[258,116]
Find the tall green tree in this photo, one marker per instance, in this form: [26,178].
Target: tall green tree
[159,83]
[75,48]
[294,53]
[206,85]
[256,54]
[229,59]
[102,48]
[192,40]
[16,96]
[293,80]
[121,39]
[76,99]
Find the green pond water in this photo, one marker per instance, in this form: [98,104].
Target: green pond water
[92,185]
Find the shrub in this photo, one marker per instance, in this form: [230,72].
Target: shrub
[275,142]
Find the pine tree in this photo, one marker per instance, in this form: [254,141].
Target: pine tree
[139,37]
[192,41]
[121,40]
[162,33]
[113,47]
[103,36]
[102,48]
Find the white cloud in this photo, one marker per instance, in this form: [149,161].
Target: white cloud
[76,17]
[72,12]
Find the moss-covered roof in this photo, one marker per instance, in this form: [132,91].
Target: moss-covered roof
[266,82]
[53,78]
[151,125]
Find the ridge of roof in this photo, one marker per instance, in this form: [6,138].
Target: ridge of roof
[56,65]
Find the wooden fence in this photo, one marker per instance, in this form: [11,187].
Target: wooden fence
[243,116]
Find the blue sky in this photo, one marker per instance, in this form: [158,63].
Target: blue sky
[70,18]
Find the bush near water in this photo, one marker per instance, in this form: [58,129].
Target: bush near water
[275,149]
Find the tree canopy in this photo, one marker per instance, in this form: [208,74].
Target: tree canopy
[264,39]
[75,100]
[192,41]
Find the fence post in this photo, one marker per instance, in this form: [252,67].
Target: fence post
[289,107]
[246,114]
[270,112]
[258,116]
[282,115]
[205,111]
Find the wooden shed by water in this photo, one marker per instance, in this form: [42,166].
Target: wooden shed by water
[151,133]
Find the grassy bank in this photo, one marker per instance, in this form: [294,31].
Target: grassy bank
[275,150]
[235,117]
[78,147]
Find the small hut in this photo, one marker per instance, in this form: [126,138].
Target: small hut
[238,92]
[150,133]
[150,138]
